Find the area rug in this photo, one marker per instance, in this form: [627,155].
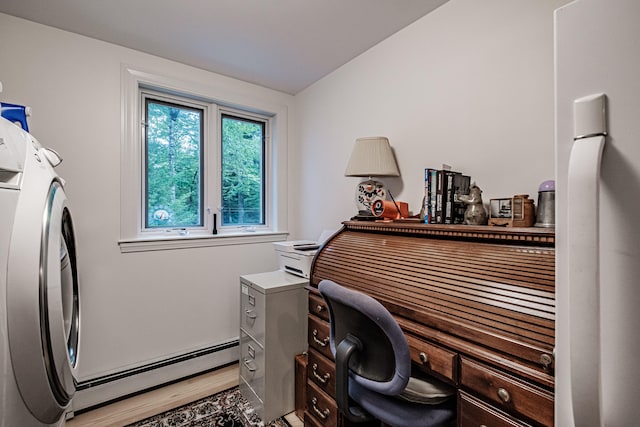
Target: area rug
[225,409]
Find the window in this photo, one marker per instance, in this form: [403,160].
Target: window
[198,169]
[173,164]
[243,142]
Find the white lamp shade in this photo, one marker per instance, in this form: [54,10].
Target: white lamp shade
[372,156]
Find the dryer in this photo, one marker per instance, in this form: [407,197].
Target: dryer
[39,295]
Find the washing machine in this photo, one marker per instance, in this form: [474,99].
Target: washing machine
[39,299]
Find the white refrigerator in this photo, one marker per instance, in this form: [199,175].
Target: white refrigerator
[597,96]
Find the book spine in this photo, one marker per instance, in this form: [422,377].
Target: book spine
[461,184]
[433,183]
[439,197]
[447,195]
[427,196]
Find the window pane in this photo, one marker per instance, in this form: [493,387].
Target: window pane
[174,163]
[242,171]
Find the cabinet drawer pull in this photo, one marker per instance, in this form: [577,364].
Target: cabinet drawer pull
[319,308]
[318,341]
[322,378]
[251,314]
[323,414]
[504,395]
[250,366]
[546,360]
[424,358]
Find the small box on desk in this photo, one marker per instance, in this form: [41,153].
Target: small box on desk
[516,211]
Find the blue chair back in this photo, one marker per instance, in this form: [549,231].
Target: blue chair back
[373,364]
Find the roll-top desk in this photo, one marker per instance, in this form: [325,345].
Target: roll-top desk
[476,303]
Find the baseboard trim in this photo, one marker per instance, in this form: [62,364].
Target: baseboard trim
[104,389]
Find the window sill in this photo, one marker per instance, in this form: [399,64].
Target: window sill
[160,243]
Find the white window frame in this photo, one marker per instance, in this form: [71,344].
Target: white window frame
[268,163]
[133,236]
[209,160]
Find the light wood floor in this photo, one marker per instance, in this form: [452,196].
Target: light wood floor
[163,399]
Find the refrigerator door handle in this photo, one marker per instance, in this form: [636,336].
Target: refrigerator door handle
[584,279]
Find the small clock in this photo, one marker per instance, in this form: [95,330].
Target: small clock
[377,208]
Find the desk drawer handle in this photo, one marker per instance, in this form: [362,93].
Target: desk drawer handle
[323,342]
[323,414]
[322,378]
[424,358]
[251,314]
[319,308]
[504,395]
[249,365]
[546,360]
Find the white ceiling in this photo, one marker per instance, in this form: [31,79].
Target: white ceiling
[281,44]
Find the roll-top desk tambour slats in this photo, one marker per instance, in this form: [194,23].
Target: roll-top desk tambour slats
[481,299]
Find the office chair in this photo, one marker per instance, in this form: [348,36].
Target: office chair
[373,365]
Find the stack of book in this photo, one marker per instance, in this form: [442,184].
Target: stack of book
[442,187]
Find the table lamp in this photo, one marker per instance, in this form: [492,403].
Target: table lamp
[371,156]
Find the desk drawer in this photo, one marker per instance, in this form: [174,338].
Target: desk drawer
[322,408]
[322,372]
[318,306]
[309,421]
[318,334]
[475,413]
[507,393]
[434,359]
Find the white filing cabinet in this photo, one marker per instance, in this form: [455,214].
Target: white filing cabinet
[273,330]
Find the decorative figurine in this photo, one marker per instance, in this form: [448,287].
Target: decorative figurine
[475,213]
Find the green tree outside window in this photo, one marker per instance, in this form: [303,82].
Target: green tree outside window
[174,164]
[175,161]
[242,171]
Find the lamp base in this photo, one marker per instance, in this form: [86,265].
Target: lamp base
[368,192]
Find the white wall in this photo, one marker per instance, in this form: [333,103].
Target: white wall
[136,307]
[469,85]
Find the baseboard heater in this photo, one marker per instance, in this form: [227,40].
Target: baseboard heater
[101,390]
[83,385]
